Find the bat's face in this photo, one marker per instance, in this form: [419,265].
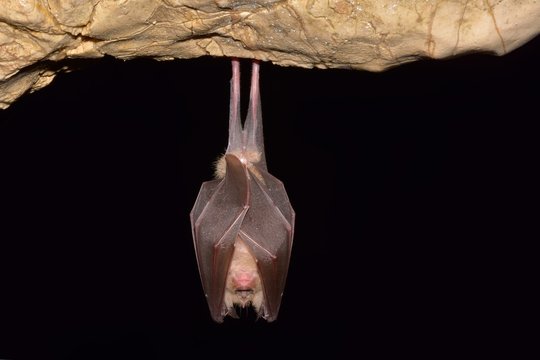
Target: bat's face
[243,285]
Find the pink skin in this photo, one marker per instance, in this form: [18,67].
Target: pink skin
[243,280]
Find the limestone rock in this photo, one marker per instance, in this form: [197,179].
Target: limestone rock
[368,35]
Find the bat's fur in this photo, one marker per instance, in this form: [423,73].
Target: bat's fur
[243,285]
[250,158]
[220,167]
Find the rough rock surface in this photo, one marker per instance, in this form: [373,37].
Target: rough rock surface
[363,34]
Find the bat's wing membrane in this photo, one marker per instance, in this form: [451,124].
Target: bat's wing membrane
[267,229]
[216,218]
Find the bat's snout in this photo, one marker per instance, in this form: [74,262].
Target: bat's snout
[244,296]
[244,280]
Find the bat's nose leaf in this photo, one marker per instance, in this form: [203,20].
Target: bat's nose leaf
[267,230]
[215,227]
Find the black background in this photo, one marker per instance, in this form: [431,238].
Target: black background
[405,184]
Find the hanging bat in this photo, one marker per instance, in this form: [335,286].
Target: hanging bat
[243,222]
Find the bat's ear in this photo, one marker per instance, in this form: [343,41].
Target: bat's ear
[232,313]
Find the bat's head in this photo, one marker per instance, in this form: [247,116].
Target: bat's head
[243,285]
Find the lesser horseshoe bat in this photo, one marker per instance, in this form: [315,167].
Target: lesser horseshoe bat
[242,222]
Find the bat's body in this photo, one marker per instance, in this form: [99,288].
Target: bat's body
[243,222]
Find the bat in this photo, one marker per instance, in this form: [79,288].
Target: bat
[242,222]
